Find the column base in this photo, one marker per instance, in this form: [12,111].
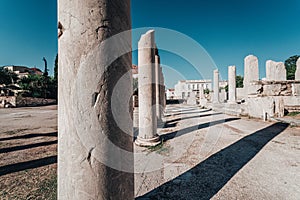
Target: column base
[147,142]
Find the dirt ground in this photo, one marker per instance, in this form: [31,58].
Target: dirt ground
[209,155]
[28,149]
[204,155]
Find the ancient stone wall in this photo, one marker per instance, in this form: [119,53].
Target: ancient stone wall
[30,101]
[8,100]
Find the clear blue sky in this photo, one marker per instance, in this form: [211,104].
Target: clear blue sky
[228,30]
[28,32]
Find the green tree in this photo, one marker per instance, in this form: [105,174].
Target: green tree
[7,77]
[206,91]
[239,81]
[46,67]
[33,84]
[226,88]
[290,66]
[39,86]
[56,68]
[135,84]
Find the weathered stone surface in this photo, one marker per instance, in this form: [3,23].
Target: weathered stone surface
[223,96]
[297,74]
[296,89]
[251,74]
[163,91]
[147,99]
[278,89]
[95,159]
[275,71]
[216,87]
[232,84]
[158,88]
[201,92]
[273,106]
[240,93]
[192,100]
[263,108]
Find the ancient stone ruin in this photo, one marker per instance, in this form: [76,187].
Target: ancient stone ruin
[95,159]
[267,98]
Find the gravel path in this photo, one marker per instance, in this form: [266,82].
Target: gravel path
[208,155]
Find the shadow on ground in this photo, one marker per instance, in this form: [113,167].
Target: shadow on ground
[191,117]
[28,146]
[32,135]
[187,130]
[210,176]
[8,169]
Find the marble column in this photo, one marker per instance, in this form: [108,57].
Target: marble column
[216,87]
[163,91]
[297,73]
[232,84]
[296,86]
[158,90]
[201,92]
[95,150]
[251,74]
[147,99]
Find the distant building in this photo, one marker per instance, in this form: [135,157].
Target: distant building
[22,71]
[184,89]
[170,93]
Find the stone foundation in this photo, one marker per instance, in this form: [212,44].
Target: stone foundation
[13,101]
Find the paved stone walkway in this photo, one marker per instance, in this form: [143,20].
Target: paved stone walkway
[209,155]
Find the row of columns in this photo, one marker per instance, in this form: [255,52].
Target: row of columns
[231,85]
[251,74]
[274,71]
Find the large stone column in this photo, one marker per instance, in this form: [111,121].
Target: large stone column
[275,71]
[297,74]
[147,99]
[95,145]
[232,84]
[164,98]
[161,90]
[216,86]
[251,73]
[158,89]
[201,92]
[296,86]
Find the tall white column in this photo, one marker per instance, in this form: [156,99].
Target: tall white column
[147,110]
[158,90]
[232,84]
[201,92]
[297,74]
[95,150]
[216,86]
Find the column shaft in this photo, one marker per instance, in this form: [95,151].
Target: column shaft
[91,163]
[216,86]
[232,84]
[147,110]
